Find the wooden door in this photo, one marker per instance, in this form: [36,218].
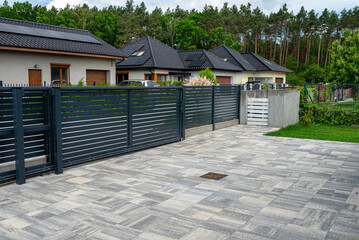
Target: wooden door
[95,76]
[222,80]
[34,77]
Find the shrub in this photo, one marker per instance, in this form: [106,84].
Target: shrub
[199,81]
[207,73]
[337,117]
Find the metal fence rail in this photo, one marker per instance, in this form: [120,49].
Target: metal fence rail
[47,128]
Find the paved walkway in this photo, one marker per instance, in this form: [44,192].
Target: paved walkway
[276,188]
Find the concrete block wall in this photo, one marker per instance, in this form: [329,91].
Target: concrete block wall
[283,106]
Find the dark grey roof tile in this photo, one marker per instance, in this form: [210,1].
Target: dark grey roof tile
[271,65]
[55,44]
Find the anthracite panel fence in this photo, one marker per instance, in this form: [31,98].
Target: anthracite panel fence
[48,128]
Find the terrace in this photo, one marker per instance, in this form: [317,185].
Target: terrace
[276,188]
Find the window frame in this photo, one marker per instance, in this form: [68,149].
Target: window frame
[123,78]
[161,75]
[61,66]
[152,76]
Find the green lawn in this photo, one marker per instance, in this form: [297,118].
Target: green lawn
[319,132]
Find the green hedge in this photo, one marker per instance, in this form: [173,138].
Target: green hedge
[312,113]
[337,117]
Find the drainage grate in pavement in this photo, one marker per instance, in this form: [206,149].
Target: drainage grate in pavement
[215,176]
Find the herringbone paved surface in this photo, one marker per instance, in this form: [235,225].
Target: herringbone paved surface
[277,188]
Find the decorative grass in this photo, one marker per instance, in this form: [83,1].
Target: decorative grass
[319,132]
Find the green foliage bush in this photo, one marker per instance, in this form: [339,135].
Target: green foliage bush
[295,79]
[314,74]
[311,113]
[337,117]
[209,75]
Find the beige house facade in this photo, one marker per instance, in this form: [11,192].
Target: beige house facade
[34,54]
[16,68]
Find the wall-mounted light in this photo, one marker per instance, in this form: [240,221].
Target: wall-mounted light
[36,66]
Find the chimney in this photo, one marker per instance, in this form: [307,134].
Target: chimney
[176,47]
[132,40]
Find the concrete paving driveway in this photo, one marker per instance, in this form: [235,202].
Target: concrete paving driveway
[276,188]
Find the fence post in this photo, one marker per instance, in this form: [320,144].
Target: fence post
[239,105]
[318,97]
[57,134]
[17,94]
[213,109]
[129,118]
[183,112]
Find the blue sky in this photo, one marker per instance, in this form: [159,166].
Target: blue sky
[265,5]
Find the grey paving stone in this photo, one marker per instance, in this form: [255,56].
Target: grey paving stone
[276,188]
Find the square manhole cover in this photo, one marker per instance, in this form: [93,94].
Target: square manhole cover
[212,175]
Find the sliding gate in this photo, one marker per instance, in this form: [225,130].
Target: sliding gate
[107,121]
[48,128]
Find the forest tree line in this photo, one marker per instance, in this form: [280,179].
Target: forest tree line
[295,40]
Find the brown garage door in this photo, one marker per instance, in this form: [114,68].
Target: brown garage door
[223,80]
[95,76]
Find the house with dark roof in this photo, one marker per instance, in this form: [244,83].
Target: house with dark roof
[255,68]
[152,59]
[37,54]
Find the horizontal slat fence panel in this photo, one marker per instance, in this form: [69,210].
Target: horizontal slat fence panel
[94,123]
[198,106]
[226,103]
[155,116]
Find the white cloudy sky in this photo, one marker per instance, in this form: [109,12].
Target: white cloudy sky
[265,5]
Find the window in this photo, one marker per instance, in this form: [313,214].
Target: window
[138,53]
[161,78]
[149,76]
[121,76]
[59,73]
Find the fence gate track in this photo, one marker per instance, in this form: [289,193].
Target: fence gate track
[257,111]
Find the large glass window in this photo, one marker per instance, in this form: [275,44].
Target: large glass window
[59,74]
[148,76]
[161,77]
[121,76]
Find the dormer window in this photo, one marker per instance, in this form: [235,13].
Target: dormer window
[138,53]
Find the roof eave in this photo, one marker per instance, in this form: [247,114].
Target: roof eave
[34,50]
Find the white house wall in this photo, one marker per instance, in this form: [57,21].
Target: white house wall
[243,77]
[236,77]
[137,74]
[14,66]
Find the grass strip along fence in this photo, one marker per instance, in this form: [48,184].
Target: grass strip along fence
[48,128]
